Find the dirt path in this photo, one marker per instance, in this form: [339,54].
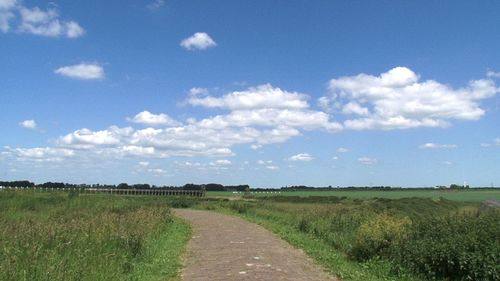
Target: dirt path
[229,248]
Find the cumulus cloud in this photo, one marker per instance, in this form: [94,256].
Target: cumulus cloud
[28,124]
[6,14]
[431,145]
[263,96]
[263,105]
[144,163]
[367,160]
[85,138]
[398,99]
[83,71]
[37,21]
[150,119]
[198,41]
[301,157]
[41,154]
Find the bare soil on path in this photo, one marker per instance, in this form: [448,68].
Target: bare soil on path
[225,247]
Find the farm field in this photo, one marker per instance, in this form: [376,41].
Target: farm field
[471,195]
[61,236]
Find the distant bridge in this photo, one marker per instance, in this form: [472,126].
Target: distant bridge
[144,192]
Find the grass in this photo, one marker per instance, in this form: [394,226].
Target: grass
[56,236]
[371,239]
[470,195]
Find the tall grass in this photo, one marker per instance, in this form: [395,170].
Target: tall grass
[384,239]
[58,236]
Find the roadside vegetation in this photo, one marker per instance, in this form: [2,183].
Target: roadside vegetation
[361,235]
[61,236]
[380,238]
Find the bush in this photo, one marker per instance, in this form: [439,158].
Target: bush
[459,247]
[375,237]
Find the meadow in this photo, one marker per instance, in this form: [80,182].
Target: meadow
[61,236]
[383,235]
[467,195]
[355,234]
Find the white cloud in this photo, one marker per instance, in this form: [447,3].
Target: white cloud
[6,14]
[85,138]
[144,163]
[342,150]
[28,124]
[83,71]
[135,150]
[155,5]
[199,40]
[397,99]
[430,145]
[73,29]
[222,162]
[367,160]
[255,146]
[497,141]
[157,171]
[41,154]
[263,96]
[148,118]
[493,74]
[263,105]
[272,167]
[47,23]
[304,119]
[7,4]
[301,157]
[447,163]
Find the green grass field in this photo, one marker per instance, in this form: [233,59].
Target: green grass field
[471,195]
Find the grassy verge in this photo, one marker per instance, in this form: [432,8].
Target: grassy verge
[161,260]
[56,236]
[383,239]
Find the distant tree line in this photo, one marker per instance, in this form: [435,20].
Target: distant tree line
[189,186]
[213,186]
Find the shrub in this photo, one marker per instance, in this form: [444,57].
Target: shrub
[376,236]
[458,247]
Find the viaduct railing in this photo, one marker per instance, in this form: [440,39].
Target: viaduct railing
[146,192]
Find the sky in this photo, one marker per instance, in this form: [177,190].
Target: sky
[265,93]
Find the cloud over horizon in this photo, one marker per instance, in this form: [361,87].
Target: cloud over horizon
[264,115]
[397,99]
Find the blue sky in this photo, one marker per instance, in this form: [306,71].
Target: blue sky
[269,93]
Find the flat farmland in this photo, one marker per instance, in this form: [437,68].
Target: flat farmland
[471,195]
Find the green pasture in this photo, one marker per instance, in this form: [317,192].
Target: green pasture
[71,236]
[470,195]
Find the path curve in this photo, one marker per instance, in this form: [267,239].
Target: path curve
[225,247]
